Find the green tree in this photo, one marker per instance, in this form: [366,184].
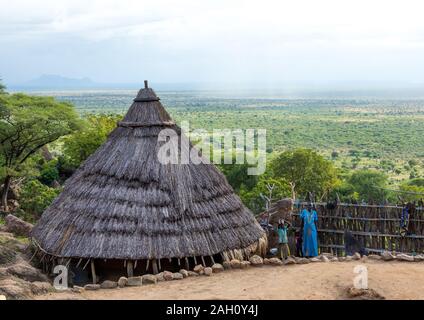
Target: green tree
[80,145]
[411,192]
[306,171]
[35,198]
[369,185]
[267,190]
[28,123]
[49,172]
[417,182]
[414,189]
[237,176]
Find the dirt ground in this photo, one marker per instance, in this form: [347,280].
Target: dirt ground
[392,280]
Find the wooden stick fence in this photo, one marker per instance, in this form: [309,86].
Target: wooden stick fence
[377,228]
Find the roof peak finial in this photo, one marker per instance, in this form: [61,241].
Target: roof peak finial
[146,84]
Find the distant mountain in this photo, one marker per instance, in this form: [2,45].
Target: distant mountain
[51,81]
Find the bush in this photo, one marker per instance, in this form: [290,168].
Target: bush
[80,145]
[237,176]
[418,182]
[414,189]
[49,173]
[65,168]
[369,185]
[36,197]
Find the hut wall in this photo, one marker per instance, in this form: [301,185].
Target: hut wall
[376,227]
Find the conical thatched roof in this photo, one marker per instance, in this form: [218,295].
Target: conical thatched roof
[122,203]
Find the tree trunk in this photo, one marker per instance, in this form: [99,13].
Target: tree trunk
[5,191]
[293,191]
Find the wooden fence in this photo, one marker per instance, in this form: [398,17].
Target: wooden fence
[377,228]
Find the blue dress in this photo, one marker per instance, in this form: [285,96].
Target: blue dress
[310,238]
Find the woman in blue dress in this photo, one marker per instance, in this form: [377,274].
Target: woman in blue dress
[310,239]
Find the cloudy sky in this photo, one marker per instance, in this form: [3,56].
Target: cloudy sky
[234,41]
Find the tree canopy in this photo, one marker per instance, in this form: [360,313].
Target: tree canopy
[27,123]
[306,171]
[237,176]
[369,185]
[417,182]
[412,190]
[80,145]
[266,191]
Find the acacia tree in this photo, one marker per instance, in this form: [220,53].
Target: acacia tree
[305,171]
[28,123]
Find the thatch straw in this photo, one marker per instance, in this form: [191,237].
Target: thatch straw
[122,203]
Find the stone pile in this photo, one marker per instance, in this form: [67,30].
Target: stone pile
[18,278]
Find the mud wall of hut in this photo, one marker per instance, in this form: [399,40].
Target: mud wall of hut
[377,228]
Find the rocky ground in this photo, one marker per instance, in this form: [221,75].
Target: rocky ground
[18,278]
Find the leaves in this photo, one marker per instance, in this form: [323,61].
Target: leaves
[36,197]
[80,145]
[364,185]
[254,199]
[307,170]
[28,123]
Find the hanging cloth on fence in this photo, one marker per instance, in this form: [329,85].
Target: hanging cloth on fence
[411,217]
[404,221]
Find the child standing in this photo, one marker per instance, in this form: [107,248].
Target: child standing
[283,247]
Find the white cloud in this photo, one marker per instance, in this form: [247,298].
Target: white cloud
[326,20]
[277,37]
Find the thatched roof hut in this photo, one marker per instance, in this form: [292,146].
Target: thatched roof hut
[122,203]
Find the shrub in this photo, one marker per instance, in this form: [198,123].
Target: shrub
[49,173]
[36,197]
